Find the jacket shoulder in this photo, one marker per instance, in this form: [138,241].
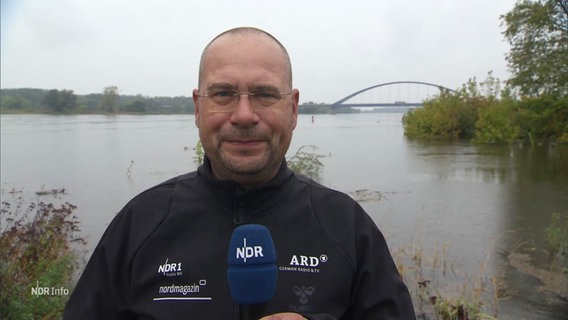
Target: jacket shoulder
[159,194]
[144,213]
[337,214]
[325,199]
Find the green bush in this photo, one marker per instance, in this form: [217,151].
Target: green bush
[484,114]
[36,253]
[306,162]
[544,118]
[448,116]
[497,123]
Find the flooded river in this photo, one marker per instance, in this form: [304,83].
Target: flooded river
[453,213]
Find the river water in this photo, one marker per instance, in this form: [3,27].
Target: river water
[455,214]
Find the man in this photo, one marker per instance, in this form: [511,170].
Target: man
[164,256]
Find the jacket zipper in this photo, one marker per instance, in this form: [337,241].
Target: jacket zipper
[239,212]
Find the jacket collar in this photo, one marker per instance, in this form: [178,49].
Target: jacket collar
[231,198]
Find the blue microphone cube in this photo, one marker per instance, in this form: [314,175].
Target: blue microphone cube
[252,271]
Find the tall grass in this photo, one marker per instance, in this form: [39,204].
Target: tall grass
[38,261]
[441,291]
[557,239]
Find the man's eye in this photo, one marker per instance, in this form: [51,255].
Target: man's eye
[266,94]
[222,94]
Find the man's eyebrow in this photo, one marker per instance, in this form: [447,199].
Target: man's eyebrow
[264,87]
[229,86]
[221,85]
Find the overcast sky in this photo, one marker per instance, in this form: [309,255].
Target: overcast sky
[337,47]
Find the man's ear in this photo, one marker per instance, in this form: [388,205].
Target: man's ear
[197,106]
[295,106]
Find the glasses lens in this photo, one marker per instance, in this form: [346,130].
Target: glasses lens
[221,97]
[220,100]
[265,98]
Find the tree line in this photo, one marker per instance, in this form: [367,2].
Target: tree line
[109,101]
[533,103]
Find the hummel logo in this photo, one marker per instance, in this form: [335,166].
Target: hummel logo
[303,293]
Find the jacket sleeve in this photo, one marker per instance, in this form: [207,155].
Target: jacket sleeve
[379,292]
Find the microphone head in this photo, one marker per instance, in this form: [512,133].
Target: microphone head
[252,271]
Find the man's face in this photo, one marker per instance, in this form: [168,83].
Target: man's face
[245,144]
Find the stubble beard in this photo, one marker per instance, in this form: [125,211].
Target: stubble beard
[246,166]
[231,166]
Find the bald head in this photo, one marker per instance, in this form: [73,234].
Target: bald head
[243,32]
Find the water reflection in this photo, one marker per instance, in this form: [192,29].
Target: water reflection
[519,188]
[539,188]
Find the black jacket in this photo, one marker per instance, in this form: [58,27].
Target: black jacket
[164,256]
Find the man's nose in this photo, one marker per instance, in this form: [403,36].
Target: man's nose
[244,112]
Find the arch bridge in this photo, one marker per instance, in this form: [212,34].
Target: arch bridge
[409,94]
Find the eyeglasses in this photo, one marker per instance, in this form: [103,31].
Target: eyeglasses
[225,100]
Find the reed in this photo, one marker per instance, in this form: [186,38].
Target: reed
[441,291]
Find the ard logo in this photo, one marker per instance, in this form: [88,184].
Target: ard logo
[307,261]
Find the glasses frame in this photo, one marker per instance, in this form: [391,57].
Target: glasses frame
[234,99]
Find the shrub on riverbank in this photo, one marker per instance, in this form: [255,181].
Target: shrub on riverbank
[37,265]
[306,162]
[483,113]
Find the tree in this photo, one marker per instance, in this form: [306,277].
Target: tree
[537,31]
[135,106]
[60,101]
[14,102]
[110,95]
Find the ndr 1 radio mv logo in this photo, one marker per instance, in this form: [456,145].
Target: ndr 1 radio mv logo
[49,291]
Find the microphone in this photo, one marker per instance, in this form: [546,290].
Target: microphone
[252,271]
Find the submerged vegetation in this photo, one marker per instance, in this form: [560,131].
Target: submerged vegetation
[38,261]
[557,239]
[199,153]
[482,113]
[441,291]
[306,162]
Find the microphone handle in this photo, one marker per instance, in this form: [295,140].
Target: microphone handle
[252,311]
